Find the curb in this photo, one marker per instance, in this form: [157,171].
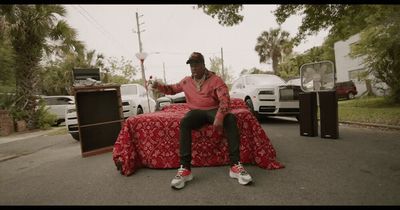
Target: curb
[371,125]
[21,136]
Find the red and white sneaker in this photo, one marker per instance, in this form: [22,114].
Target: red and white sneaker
[238,172]
[181,177]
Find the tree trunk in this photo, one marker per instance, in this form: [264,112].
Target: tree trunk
[275,64]
[369,87]
[27,60]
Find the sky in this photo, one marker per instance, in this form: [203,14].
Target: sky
[172,32]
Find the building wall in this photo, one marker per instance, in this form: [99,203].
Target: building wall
[348,68]
[344,63]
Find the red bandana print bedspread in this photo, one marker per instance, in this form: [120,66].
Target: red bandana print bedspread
[152,140]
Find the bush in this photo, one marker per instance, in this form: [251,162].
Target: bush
[43,118]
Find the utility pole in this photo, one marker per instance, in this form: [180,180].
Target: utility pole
[165,80]
[141,56]
[222,62]
[140,44]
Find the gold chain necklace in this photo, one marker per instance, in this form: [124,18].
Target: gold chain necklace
[199,82]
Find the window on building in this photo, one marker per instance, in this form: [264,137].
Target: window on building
[358,74]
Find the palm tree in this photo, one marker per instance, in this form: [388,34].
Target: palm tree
[32,29]
[273,44]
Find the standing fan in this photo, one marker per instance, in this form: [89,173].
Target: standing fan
[317,76]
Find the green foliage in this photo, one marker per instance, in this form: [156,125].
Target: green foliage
[61,67]
[118,79]
[273,44]
[7,102]
[120,71]
[227,14]
[216,66]
[379,46]
[31,29]
[320,16]
[253,70]
[290,66]
[7,57]
[44,118]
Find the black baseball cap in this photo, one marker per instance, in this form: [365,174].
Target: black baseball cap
[195,57]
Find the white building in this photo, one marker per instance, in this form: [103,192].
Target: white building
[348,68]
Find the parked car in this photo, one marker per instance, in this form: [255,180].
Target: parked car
[57,105]
[296,81]
[136,96]
[170,99]
[346,89]
[134,102]
[267,94]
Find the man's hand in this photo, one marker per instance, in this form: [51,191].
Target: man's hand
[218,126]
[154,84]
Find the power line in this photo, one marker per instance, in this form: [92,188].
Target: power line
[98,26]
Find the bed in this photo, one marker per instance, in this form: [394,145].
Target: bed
[152,140]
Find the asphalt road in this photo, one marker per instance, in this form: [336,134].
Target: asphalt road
[362,167]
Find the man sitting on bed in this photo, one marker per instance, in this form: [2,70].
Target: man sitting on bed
[208,99]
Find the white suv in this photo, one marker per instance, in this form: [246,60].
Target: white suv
[134,102]
[57,105]
[136,96]
[267,94]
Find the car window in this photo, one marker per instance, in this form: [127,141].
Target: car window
[129,90]
[63,101]
[57,101]
[264,80]
[238,84]
[294,82]
[142,91]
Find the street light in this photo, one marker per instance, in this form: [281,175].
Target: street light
[141,56]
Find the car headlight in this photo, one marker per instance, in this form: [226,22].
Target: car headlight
[164,103]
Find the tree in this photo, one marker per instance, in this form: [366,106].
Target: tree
[379,46]
[227,14]
[253,70]
[216,66]
[121,71]
[273,44]
[61,67]
[342,19]
[378,26]
[31,29]
[290,66]
[7,59]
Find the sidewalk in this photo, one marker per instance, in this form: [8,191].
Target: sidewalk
[27,134]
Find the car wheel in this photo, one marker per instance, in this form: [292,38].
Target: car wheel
[59,122]
[75,136]
[139,111]
[249,103]
[350,96]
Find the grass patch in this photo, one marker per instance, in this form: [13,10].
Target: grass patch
[375,110]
